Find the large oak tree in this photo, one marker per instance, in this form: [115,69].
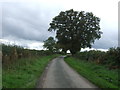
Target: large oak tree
[75,30]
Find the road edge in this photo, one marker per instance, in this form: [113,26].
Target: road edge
[41,80]
[84,78]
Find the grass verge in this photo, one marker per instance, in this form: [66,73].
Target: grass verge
[25,72]
[97,74]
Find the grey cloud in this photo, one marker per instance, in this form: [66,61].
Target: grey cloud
[105,44]
[108,39]
[30,21]
[25,23]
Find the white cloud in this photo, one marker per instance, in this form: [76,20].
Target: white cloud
[88,49]
[36,46]
[27,43]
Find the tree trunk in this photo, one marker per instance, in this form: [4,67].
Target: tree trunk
[73,52]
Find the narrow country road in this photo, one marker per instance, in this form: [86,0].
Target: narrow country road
[60,75]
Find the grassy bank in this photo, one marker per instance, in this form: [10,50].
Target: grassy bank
[25,72]
[97,74]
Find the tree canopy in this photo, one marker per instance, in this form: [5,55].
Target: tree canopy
[75,30]
[49,44]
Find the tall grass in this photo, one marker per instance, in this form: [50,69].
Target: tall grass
[25,72]
[10,54]
[22,67]
[97,74]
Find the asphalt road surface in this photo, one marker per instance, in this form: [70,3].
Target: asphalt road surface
[59,75]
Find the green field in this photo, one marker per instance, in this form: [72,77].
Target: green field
[97,74]
[25,72]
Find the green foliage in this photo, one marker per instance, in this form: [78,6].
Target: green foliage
[50,44]
[91,55]
[75,30]
[113,56]
[11,54]
[110,58]
[97,74]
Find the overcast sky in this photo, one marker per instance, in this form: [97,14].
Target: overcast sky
[26,23]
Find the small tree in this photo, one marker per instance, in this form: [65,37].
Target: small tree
[50,44]
[75,30]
